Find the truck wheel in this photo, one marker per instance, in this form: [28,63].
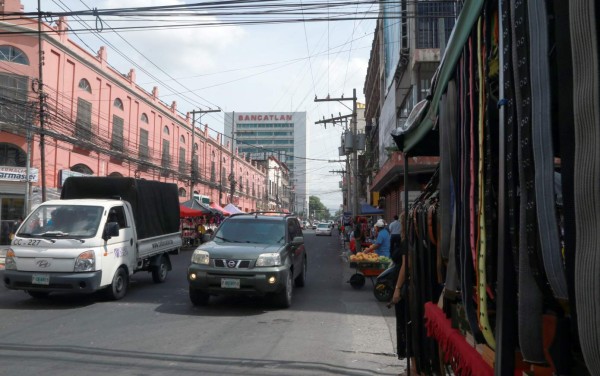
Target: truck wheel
[118,287]
[300,280]
[38,294]
[283,298]
[159,272]
[198,297]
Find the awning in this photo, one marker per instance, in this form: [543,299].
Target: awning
[408,139]
[185,212]
[219,208]
[232,209]
[197,205]
[366,209]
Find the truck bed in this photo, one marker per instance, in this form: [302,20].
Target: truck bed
[159,244]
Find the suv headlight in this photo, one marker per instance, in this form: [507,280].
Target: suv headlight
[269,259]
[85,262]
[200,257]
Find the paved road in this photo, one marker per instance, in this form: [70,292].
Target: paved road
[330,329]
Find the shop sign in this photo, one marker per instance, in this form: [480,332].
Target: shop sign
[265,117]
[64,174]
[18,174]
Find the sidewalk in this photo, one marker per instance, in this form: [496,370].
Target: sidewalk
[374,323]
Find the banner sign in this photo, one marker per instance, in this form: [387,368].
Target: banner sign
[18,174]
[64,174]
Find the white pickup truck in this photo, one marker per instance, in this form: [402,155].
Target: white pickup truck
[88,244]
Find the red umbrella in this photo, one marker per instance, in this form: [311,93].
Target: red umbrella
[219,208]
[184,212]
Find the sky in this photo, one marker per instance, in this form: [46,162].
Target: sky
[278,67]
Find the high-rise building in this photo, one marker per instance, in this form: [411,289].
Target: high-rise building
[279,134]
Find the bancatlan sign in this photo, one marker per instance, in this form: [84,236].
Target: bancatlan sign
[265,117]
[10,173]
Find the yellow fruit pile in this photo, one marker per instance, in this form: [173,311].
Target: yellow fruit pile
[364,257]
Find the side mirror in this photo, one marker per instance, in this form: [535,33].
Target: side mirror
[110,229]
[298,240]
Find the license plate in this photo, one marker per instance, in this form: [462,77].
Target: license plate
[40,279]
[228,283]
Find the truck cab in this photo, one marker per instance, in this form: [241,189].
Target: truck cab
[84,245]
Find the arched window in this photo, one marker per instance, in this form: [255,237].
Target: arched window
[13,55]
[182,192]
[82,169]
[116,174]
[11,155]
[166,130]
[144,118]
[182,139]
[85,85]
[196,146]
[118,103]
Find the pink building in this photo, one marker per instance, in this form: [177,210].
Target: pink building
[98,121]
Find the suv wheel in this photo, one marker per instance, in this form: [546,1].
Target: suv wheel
[300,280]
[283,298]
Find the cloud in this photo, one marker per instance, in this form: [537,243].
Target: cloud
[179,51]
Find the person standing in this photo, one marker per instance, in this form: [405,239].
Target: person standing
[398,300]
[395,240]
[382,244]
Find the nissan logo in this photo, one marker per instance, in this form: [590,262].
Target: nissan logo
[231,264]
[42,263]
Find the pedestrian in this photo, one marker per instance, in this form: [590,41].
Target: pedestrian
[395,240]
[399,302]
[358,237]
[382,243]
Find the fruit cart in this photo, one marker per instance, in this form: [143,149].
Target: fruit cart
[367,265]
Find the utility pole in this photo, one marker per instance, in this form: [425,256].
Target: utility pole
[42,99]
[232,174]
[355,153]
[351,167]
[193,147]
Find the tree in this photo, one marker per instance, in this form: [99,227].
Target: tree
[338,213]
[316,208]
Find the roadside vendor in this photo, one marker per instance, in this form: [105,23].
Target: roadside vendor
[382,244]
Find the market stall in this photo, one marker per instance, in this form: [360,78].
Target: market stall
[370,265]
[232,209]
[220,209]
[515,252]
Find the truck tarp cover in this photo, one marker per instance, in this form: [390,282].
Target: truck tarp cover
[155,204]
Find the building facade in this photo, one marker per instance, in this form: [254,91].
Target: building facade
[85,118]
[282,135]
[404,58]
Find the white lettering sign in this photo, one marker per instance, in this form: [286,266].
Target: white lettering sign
[18,174]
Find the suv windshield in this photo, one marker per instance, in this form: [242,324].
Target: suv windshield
[251,230]
[55,221]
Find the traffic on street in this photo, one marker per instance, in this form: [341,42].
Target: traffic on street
[331,328]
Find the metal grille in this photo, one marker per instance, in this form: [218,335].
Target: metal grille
[429,16]
[226,263]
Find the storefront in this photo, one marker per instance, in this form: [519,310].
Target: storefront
[13,189]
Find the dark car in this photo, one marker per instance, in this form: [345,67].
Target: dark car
[250,254]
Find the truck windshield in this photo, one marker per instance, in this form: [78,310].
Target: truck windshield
[60,221]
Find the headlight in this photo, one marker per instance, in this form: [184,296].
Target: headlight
[269,259]
[85,262]
[9,261]
[200,257]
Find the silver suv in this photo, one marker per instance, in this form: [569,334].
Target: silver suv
[260,253]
